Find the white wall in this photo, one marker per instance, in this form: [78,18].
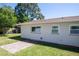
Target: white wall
[64,36]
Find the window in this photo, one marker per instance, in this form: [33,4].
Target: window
[55,29]
[36,29]
[74,30]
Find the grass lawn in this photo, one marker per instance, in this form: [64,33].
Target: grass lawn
[5,39]
[39,49]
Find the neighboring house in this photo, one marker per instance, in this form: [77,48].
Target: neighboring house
[64,30]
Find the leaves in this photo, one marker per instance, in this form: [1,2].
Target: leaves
[7,17]
[28,12]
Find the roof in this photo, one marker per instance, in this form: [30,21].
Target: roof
[54,20]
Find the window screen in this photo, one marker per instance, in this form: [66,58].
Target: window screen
[74,30]
[54,29]
[36,29]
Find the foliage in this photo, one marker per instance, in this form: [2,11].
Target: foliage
[7,17]
[29,10]
[20,13]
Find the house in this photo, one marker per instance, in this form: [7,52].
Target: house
[63,30]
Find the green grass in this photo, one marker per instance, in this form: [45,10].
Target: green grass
[39,49]
[5,39]
[4,53]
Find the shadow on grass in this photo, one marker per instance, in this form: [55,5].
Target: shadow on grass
[59,46]
[2,35]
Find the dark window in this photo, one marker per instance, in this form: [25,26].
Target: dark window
[36,29]
[74,30]
[55,29]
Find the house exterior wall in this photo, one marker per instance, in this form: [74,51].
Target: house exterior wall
[64,36]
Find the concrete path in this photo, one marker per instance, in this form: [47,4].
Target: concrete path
[15,47]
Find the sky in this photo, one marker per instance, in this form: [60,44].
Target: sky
[54,10]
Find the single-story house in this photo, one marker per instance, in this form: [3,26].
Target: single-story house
[63,30]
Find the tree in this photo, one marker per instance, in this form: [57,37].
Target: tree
[20,13]
[7,18]
[29,10]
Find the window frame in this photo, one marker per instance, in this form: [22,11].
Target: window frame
[35,31]
[58,29]
[70,30]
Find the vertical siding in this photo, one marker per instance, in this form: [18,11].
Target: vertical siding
[63,37]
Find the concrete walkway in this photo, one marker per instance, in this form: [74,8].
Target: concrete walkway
[15,47]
